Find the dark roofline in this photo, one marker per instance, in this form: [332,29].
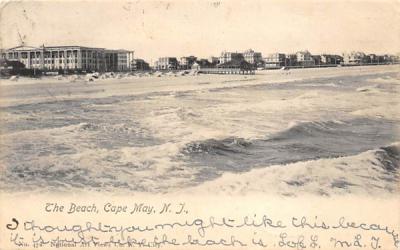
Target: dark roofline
[54,47]
[21,46]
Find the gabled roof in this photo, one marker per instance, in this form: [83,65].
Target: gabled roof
[22,47]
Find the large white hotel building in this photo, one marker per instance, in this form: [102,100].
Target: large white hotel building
[53,58]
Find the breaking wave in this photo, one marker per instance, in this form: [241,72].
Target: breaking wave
[373,172]
[301,141]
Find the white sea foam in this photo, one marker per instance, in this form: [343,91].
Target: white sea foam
[374,172]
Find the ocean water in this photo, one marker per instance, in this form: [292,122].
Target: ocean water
[300,142]
[165,141]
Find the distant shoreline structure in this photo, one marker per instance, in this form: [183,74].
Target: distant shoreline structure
[27,60]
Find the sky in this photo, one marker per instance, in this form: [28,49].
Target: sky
[205,28]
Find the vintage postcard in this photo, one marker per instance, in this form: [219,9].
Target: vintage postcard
[188,124]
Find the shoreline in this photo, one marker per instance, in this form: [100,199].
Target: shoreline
[168,84]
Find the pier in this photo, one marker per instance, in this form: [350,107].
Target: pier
[227,71]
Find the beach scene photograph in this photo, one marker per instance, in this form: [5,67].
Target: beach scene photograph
[196,97]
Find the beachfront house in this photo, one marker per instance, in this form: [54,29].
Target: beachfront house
[275,60]
[304,59]
[230,56]
[186,62]
[253,57]
[354,58]
[166,63]
[331,59]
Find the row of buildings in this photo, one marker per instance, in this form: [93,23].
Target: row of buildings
[301,59]
[87,59]
[306,59]
[275,60]
[184,63]
[225,59]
